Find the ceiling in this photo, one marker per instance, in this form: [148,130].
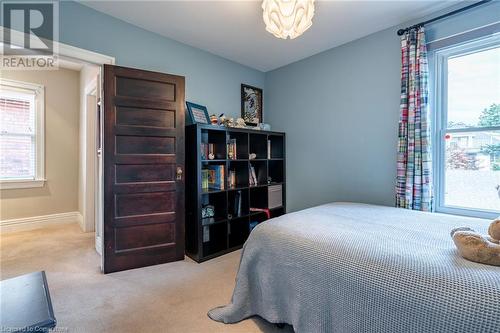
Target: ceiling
[235,29]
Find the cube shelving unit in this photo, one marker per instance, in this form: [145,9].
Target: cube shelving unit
[228,230]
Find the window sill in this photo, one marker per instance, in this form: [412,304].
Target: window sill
[21,183]
[482,214]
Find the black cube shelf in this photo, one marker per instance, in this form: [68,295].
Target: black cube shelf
[234,202]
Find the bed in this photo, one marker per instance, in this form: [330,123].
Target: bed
[347,267]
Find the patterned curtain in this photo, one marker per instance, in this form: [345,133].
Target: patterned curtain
[414,176]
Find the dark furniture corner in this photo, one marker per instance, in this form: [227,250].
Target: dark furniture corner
[230,227]
[26,304]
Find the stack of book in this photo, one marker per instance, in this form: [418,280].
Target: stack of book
[252,178]
[215,175]
[231,149]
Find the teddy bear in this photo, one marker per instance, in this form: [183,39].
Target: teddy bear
[476,247]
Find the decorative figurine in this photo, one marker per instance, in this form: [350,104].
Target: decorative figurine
[214,120]
[264,127]
[225,121]
[240,123]
[208,211]
[252,156]
[222,119]
[211,152]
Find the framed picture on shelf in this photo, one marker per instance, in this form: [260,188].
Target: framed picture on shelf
[251,105]
[198,113]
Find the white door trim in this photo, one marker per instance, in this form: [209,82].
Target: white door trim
[63,50]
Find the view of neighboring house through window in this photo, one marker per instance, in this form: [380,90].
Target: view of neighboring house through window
[21,134]
[469,137]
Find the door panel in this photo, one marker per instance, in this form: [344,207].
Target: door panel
[145,117]
[143,236]
[143,147]
[144,203]
[133,87]
[132,173]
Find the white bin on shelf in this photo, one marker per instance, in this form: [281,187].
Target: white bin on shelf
[275,196]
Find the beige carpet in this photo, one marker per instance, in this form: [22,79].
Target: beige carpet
[172,297]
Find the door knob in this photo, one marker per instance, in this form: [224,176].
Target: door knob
[179,173]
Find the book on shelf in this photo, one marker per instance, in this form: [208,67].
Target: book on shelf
[231,179]
[207,221]
[216,177]
[252,178]
[204,151]
[207,150]
[206,234]
[231,149]
[204,179]
[237,204]
[268,149]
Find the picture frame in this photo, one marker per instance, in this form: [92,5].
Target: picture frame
[252,105]
[198,113]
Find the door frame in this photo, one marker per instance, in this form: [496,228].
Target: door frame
[92,193]
[68,52]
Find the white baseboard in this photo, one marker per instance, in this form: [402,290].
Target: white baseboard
[36,222]
[81,222]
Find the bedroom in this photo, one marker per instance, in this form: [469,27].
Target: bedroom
[335,91]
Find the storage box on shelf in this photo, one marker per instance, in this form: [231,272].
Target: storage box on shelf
[231,178]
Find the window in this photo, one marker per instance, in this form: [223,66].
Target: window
[467,128]
[21,134]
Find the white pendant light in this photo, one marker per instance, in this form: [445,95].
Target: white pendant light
[288,18]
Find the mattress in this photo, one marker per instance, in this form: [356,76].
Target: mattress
[347,267]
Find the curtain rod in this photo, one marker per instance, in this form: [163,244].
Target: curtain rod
[402,31]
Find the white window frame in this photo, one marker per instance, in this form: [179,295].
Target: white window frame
[440,122]
[39,105]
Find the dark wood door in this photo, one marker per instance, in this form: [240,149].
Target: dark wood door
[143,164]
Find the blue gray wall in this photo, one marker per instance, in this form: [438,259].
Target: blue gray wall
[340,109]
[210,80]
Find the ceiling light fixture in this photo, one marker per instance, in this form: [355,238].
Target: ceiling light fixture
[288,18]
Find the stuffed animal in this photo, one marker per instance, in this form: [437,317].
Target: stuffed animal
[494,229]
[476,247]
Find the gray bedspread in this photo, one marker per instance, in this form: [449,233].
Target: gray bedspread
[346,267]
